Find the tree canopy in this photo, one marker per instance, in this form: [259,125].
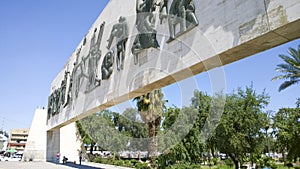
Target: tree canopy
[290,69]
[197,132]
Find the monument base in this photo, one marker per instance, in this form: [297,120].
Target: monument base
[35,149]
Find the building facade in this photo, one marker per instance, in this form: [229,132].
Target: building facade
[18,139]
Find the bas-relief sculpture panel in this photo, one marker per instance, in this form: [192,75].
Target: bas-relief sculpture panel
[87,67]
[126,54]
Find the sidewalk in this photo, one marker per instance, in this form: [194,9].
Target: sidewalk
[90,165]
[47,165]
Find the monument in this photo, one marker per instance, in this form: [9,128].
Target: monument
[156,43]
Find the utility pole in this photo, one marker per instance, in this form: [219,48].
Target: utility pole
[2,126]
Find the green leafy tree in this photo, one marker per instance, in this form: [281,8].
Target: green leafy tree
[130,125]
[192,141]
[290,69]
[202,103]
[287,122]
[101,129]
[210,109]
[173,125]
[85,137]
[239,131]
[191,120]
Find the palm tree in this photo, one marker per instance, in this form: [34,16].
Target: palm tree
[151,107]
[290,69]
[298,103]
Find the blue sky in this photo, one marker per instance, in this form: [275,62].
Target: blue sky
[38,36]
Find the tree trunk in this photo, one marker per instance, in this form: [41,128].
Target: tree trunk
[235,161]
[251,159]
[156,129]
[91,148]
[283,155]
[151,147]
[236,164]
[212,152]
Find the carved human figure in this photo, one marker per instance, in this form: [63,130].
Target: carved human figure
[56,103]
[75,78]
[191,18]
[63,88]
[69,92]
[181,12]
[50,109]
[93,59]
[120,31]
[92,72]
[145,22]
[77,74]
[53,103]
[107,65]
[163,10]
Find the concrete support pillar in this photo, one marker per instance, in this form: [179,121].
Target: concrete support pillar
[53,144]
[70,142]
[66,141]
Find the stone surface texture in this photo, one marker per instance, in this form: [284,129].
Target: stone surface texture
[35,149]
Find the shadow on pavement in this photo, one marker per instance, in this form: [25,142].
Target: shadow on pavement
[77,166]
[70,164]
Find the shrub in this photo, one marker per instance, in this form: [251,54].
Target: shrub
[288,164]
[118,163]
[229,162]
[216,160]
[127,163]
[133,161]
[224,167]
[184,166]
[140,165]
[196,166]
[267,162]
[281,160]
[97,160]
[297,167]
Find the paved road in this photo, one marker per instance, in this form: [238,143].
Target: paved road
[46,165]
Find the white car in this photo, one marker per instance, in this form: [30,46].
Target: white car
[12,158]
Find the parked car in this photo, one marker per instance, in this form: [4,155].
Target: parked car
[222,156]
[13,157]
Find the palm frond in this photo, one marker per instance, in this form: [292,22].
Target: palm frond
[284,68]
[289,60]
[281,77]
[296,75]
[290,69]
[286,84]
[287,66]
[295,54]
